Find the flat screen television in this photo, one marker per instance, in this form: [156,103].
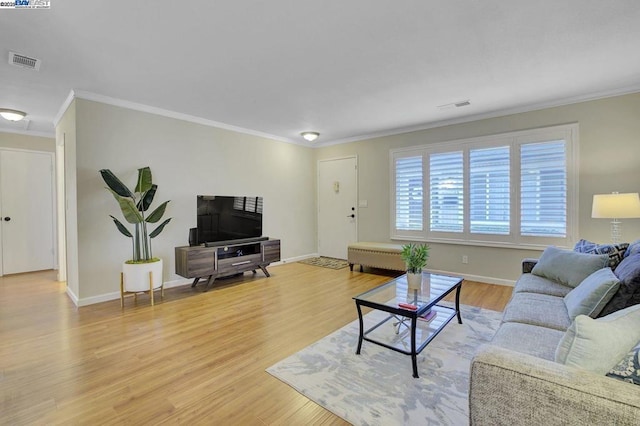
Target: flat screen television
[228,218]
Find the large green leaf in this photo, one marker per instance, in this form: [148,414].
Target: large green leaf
[159,228]
[115,184]
[157,213]
[144,180]
[128,207]
[147,199]
[121,227]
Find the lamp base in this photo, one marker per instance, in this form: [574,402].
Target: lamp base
[616,231]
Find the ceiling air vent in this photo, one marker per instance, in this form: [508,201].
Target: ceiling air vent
[19,60]
[459,104]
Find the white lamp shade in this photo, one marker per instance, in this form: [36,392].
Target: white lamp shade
[616,206]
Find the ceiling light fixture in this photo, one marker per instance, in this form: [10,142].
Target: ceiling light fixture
[310,136]
[12,114]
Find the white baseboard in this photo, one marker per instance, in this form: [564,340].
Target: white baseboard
[295,259]
[72,296]
[184,281]
[479,278]
[116,294]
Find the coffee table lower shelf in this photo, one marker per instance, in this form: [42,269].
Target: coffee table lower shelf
[418,333]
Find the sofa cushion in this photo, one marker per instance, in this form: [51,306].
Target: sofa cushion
[616,252]
[529,283]
[592,294]
[568,267]
[628,272]
[529,339]
[597,345]
[537,309]
[628,369]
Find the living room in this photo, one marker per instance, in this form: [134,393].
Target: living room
[191,156]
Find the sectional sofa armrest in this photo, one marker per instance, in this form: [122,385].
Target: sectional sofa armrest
[510,388]
[528,264]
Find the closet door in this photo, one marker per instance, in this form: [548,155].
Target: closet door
[26,211]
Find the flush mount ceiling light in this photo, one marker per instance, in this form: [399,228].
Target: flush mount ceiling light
[12,114]
[310,136]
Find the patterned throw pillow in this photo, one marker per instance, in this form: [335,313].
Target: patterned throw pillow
[628,272]
[616,252]
[629,368]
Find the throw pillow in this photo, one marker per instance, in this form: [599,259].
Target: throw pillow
[628,272]
[568,267]
[592,294]
[598,344]
[628,369]
[616,252]
[634,247]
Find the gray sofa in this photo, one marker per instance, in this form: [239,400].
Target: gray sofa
[516,380]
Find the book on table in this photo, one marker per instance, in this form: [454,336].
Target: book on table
[428,316]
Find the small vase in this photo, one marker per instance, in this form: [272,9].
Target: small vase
[414,280]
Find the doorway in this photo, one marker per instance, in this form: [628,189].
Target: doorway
[337,206]
[27,217]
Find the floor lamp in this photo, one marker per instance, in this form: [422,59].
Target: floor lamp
[616,206]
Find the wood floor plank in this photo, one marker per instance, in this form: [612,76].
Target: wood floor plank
[195,357]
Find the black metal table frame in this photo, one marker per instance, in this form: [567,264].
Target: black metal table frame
[413,316]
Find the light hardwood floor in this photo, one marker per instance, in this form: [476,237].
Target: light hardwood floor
[194,358]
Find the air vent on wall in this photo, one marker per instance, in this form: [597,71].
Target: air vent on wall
[19,60]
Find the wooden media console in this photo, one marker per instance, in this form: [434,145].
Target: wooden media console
[225,260]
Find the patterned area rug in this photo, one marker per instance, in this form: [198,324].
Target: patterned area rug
[326,262]
[377,387]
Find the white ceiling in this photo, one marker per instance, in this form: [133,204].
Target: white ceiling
[348,69]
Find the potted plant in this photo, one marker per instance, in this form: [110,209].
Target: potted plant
[134,205]
[415,257]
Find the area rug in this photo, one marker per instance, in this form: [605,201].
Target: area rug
[377,387]
[326,262]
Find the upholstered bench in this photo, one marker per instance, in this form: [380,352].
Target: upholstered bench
[376,255]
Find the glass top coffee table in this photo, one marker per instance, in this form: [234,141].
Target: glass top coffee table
[414,316]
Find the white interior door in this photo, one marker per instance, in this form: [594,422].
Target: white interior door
[337,206]
[26,211]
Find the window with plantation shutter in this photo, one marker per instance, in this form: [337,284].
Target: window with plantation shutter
[489,190]
[408,194]
[512,190]
[446,192]
[543,189]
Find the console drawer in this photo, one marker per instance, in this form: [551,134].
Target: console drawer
[238,264]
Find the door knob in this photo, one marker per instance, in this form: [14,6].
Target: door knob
[7,219]
[352,216]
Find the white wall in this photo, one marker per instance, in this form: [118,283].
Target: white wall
[186,159]
[66,137]
[32,143]
[609,150]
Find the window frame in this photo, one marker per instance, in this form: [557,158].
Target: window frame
[567,132]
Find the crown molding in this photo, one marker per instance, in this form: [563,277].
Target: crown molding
[63,108]
[29,133]
[483,116]
[80,94]
[73,94]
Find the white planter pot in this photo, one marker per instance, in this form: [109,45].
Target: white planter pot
[136,276]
